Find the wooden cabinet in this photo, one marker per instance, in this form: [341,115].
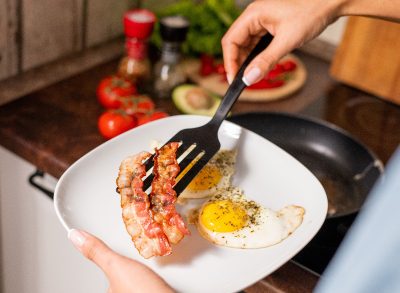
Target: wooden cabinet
[368,57]
[50,29]
[36,256]
[35,33]
[104,20]
[8,38]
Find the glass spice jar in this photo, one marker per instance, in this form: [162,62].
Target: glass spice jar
[168,72]
[138,27]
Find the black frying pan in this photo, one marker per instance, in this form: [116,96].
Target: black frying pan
[345,167]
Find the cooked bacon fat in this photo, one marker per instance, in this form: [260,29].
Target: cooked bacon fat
[147,235]
[152,222]
[163,196]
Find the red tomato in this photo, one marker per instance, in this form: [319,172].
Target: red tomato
[206,70]
[289,65]
[111,89]
[137,104]
[220,69]
[207,65]
[145,106]
[267,84]
[112,123]
[275,72]
[278,67]
[145,118]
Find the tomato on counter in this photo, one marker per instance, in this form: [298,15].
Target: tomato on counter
[140,104]
[112,90]
[145,118]
[126,108]
[114,122]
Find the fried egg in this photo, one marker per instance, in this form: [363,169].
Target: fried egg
[215,175]
[230,219]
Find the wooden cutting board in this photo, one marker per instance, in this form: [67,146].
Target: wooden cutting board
[214,84]
[368,57]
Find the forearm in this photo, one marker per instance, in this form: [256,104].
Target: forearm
[385,9]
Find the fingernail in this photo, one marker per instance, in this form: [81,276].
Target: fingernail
[77,238]
[229,78]
[252,76]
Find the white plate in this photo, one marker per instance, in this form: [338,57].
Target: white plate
[85,198]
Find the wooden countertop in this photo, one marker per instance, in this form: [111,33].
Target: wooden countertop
[55,126]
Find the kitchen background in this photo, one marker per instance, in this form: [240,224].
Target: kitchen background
[44,42]
[55,35]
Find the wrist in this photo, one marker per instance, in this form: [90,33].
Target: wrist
[338,8]
[386,9]
[344,7]
[330,10]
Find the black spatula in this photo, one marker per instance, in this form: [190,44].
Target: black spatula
[200,144]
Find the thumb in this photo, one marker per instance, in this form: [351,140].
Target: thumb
[264,61]
[92,248]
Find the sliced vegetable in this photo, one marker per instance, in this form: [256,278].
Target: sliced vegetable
[206,65]
[289,65]
[275,72]
[276,77]
[267,84]
[192,99]
[220,68]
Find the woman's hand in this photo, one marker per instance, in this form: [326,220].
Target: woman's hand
[291,22]
[124,274]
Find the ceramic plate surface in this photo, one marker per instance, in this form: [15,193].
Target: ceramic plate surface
[85,198]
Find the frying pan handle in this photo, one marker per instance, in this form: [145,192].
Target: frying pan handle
[376,164]
[237,85]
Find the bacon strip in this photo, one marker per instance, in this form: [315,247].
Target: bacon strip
[147,235]
[163,196]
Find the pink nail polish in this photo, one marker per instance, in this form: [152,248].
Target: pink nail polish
[229,78]
[76,237]
[252,76]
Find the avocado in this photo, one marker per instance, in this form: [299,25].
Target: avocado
[192,99]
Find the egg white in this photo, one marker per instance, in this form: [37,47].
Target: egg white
[224,161]
[264,227]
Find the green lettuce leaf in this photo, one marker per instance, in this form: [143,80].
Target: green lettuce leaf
[209,20]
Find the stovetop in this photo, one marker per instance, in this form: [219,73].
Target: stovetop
[71,102]
[375,123]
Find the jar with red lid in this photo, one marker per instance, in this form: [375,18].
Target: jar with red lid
[138,27]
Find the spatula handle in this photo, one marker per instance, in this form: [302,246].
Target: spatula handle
[237,85]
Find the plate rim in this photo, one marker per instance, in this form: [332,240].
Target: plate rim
[256,275]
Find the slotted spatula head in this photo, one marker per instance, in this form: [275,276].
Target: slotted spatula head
[200,144]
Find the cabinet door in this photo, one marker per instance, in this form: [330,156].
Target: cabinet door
[50,30]
[8,39]
[36,256]
[104,20]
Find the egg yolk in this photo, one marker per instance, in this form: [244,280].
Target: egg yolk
[223,216]
[207,178]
